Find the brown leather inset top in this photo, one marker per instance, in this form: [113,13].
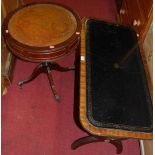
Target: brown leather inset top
[42,25]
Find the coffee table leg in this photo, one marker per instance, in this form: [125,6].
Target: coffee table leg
[90,139]
[57,97]
[82,141]
[118,144]
[34,74]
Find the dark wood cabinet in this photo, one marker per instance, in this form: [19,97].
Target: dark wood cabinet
[137,14]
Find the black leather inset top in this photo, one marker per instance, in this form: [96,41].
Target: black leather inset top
[117,97]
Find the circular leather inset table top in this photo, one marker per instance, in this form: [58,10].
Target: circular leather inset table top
[40,32]
[42,25]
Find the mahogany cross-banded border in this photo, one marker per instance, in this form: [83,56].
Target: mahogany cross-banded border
[83,118]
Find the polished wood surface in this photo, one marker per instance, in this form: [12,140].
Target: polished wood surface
[42,25]
[83,119]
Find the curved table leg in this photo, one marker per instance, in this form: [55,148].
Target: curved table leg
[90,139]
[56,66]
[83,140]
[118,144]
[49,74]
[34,74]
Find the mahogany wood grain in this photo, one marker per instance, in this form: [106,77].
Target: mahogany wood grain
[123,14]
[137,14]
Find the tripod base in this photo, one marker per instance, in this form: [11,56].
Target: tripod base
[46,67]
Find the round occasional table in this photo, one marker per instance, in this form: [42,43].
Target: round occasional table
[42,32]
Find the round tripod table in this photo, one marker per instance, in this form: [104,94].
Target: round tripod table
[42,32]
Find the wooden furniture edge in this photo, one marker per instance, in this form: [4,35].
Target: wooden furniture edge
[83,119]
[146,29]
[7,76]
[146,68]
